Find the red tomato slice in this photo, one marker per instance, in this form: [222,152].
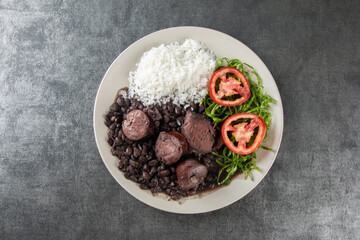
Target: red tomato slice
[229,86]
[242,132]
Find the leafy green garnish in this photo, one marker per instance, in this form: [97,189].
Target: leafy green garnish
[233,162]
[259,103]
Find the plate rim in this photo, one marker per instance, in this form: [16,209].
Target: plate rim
[279,101]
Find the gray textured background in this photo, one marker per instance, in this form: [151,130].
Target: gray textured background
[53,183]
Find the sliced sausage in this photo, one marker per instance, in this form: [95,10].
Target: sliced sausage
[169,147]
[182,139]
[198,132]
[136,125]
[190,174]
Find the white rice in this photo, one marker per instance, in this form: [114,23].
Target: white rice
[180,72]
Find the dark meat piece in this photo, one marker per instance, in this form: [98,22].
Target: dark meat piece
[218,142]
[136,125]
[198,132]
[169,147]
[190,174]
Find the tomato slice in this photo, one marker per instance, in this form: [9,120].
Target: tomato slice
[243,132]
[229,86]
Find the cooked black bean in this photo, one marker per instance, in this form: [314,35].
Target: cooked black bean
[142,159]
[153,163]
[146,175]
[151,113]
[127,102]
[133,178]
[113,151]
[153,170]
[181,192]
[107,122]
[114,107]
[141,180]
[154,182]
[109,115]
[144,150]
[162,167]
[157,124]
[161,182]
[135,103]
[164,173]
[120,165]
[167,180]
[166,119]
[172,124]
[137,152]
[124,159]
[118,141]
[156,189]
[175,197]
[170,108]
[128,141]
[177,110]
[120,101]
[146,167]
[143,186]
[133,163]
[113,126]
[130,169]
[116,132]
[119,153]
[128,151]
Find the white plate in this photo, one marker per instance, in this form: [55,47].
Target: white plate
[223,46]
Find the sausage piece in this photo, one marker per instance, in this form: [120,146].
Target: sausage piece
[136,125]
[169,147]
[198,132]
[190,174]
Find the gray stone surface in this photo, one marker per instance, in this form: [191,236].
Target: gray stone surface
[53,183]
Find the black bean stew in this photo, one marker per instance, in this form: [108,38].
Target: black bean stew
[138,160]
